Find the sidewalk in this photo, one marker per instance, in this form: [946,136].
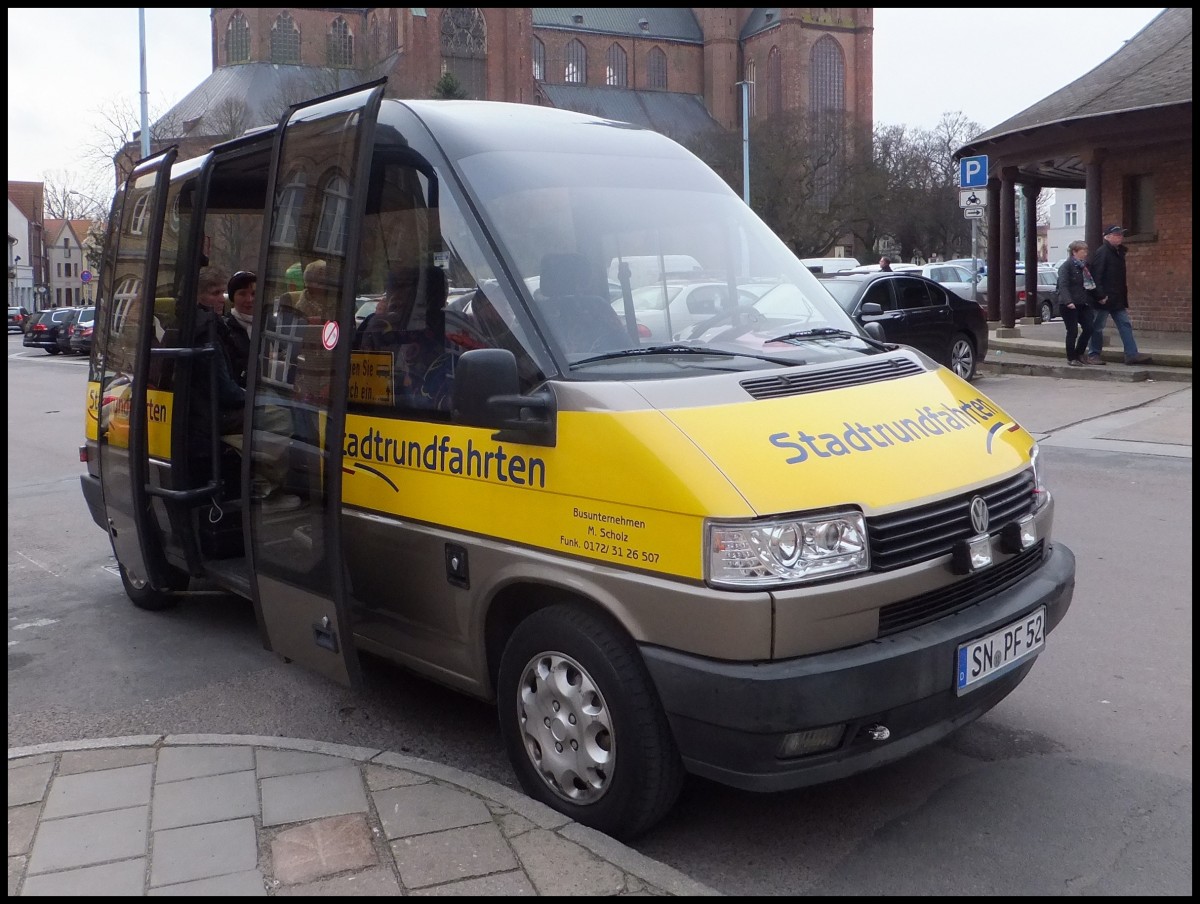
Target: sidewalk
[230,815]
[1040,349]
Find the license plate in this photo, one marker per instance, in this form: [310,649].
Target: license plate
[988,657]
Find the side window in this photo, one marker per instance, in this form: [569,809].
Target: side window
[913,294]
[880,293]
[427,294]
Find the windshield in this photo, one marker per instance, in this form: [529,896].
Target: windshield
[618,253]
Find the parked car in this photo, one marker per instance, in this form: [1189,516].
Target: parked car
[67,330]
[81,331]
[966,263]
[916,311]
[1047,286]
[955,278]
[18,319]
[830,264]
[43,333]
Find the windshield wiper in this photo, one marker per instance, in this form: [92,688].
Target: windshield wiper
[676,349]
[829,332]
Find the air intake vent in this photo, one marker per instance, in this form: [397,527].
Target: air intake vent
[918,534]
[929,607]
[779,386]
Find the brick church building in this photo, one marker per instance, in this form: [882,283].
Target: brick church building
[678,71]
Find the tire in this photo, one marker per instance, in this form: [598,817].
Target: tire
[572,680]
[1047,312]
[962,356]
[52,351]
[142,595]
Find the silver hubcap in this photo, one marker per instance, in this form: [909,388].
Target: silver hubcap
[961,358]
[567,728]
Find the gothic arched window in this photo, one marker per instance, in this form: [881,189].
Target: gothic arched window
[616,68]
[464,48]
[237,39]
[285,41]
[539,60]
[340,44]
[575,71]
[827,79]
[751,77]
[656,66]
[774,82]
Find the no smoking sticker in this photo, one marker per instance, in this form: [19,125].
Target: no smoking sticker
[329,335]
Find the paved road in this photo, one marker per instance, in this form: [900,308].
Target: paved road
[1079,783]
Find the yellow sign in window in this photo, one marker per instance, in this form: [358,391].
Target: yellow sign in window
[371,378]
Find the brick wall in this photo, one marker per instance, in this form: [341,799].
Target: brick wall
[1159,263]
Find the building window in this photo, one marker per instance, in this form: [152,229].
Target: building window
[340,44]
[288,207]
[137,222]
[285,41]
[374,40]
[58,269]
[237,39]
[1140,191]
[774,82]
[1070,215]
[464,49]
[331,227]
[539,60]
[751,77]
[575,72]
[656,69]
[616,68]
[827,84]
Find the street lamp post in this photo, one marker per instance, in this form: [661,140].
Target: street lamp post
[746,140]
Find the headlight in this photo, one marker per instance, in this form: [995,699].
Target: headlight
[1040,494]
[786,551]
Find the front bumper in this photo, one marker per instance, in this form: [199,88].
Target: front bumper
[730,718]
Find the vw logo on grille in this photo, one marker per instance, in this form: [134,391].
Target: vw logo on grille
[979,515]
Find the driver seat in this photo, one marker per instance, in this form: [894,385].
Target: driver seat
[582,322]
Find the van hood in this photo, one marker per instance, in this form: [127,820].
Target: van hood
[881,446]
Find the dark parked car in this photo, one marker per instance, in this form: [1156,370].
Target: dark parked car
[918,312]
[80,332]
[43,332]
[18,319]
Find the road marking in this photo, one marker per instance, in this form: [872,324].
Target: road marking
[45,568]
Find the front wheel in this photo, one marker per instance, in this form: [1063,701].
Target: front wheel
[962,356]
[582,722]
[144,596]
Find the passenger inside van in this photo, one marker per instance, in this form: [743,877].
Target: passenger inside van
[413,329]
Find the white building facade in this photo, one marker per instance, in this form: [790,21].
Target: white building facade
[1066,222]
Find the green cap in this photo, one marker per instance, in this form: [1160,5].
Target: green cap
[294,275]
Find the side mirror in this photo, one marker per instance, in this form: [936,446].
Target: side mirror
[871,309]
[875,330]
[487,394]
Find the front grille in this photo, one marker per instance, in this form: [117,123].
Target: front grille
[781,385]
[918,534]
[928,607]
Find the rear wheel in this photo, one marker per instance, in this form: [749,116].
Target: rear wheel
[1047,312]
[962,356]
[146,597]
[582,722]
[52,351]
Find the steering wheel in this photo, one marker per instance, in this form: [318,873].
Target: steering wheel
[750,317]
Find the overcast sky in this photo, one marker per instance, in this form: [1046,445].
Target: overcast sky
[67,65]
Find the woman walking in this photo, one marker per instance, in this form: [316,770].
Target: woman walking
[1076,290]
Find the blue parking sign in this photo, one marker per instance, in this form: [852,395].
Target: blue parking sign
[973,172]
